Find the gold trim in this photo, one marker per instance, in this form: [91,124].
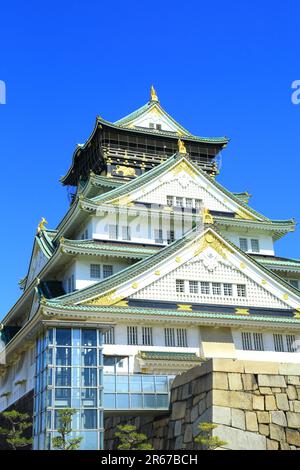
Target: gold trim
[122,303]
[157,273]
[241,214]
[264,282]
[105,300]
[153,94]
[184,308]
[285,297]
[242,311]
[210,240]
[135,285]
[207,218]
[242,266]
[178,259]
[184,166]
[181,147]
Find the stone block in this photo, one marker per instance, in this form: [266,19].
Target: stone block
[220,381]
[265,390]
[258,403]
[293,420]
[272,445]
[284,446]
[263,417]
[237,439]
[291,392]
[235,381]
[296,406]
[251,421]
[232,399]
[177,428]
[249,382]
[271,381]
[277,432]
[238,419]
[178,411]
[194,413]
[255,367]
[293,380]
[289,369]
[293,437]
[228,365]
[270,403]
[264,429]
[178,443]
[221,415]
[202,407]
[282,402]
[277,390]
[278,417]
[188,434]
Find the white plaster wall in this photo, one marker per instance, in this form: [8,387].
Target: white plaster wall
[266,243]
[82,269]
[24,369]
[269,354]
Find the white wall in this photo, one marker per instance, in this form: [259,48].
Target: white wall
[266,243]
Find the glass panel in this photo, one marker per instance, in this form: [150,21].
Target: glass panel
[63,356]
[76,377]
[76,420]
[135,383]
[75,398]
[89,419]
[136,401]
[161,384]
[109,383]
[49,377]
[89,357]
[89,397]
[63,377]
[89,338]
[63,337]
[89,441]
[122,383]
[122,401]
[149,401]
[89,377]
[63,397]
[76,337]
[76,357]
[109,401]
[148,383]
[49,356]
[162,401]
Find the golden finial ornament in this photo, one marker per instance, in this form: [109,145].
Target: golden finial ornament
[181,146]
[42,225]
[207,217]
[153,94]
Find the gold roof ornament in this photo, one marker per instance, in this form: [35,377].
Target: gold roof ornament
[42,225]
[181,147]
[207,218]
[153,94]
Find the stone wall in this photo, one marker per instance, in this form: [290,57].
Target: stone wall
[255,404]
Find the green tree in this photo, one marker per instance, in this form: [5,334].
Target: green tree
[62,442]
[206,439]
[16,425]
[130,439]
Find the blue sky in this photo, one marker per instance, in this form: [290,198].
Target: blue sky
[220,68]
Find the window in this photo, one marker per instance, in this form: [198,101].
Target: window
[205,288]
[158,235]
[85,235]
[113,231]
[241,290]
[126,233]
[244,244]
[247,341]
[189,202]
[198,203]
[179,202]
[294,283]
[180,285]
[147,336]
[258,342]
[278,343]
[169,337]
[254,245]
[216,288]
[252,341]
[132,335]
[194,288]
[151,125]
[71,283]
[109,336]
[227,289]
[158,127]
[95,272]
[291,343]
[170,236]
[182,337]
[107,270]
[170,201]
